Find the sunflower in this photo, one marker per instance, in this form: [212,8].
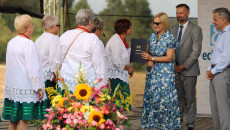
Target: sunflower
[96,116]
[83,92]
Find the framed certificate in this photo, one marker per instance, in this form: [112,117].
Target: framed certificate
[137,47]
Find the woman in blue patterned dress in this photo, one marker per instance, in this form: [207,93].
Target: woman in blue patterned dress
[160,103]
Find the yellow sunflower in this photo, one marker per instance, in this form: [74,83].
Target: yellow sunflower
[83,92]
[96,116]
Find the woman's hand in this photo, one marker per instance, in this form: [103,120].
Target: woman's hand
[130,70]
[54,78]
[109,85]
[40,94]
[149,63]
[146,56]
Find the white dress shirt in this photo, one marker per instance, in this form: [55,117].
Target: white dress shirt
[117,57]
[183,30]
[23,71]
[88,50]
[47,46]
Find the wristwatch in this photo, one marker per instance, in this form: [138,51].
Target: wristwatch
[153,58]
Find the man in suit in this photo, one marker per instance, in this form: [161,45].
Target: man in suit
[188,49]
[219,71]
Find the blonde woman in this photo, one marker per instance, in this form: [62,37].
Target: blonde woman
[160,103]
[24,97]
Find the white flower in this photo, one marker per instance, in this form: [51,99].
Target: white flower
[86,115]
[83,71]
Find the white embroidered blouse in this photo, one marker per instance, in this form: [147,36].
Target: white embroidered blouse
[47,46]
[23,71]
[88,50]
[117,57]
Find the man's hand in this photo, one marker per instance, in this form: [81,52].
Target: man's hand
[179,68]
[40,94]
[149,63]
[209,75]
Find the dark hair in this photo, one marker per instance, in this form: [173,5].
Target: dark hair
[223,12]
[122,25]
[183,5]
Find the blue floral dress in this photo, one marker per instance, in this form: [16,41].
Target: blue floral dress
[160,103]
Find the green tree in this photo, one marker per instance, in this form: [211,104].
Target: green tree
[38,30]
[9,20]
[82,4]
[70,3]
[137,11]
[6,34]
[114,7]
[141,25]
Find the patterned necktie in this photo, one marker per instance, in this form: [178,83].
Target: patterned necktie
[178,43]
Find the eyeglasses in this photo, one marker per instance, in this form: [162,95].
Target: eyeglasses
[58,25]
[157,23]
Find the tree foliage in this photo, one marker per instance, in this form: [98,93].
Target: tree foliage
[82,4]
[8,32]
[137,11]
[5,34]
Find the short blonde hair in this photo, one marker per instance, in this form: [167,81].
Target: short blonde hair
[49,21]
[164,19]
[21,22]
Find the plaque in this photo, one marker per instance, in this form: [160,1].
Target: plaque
[137,47]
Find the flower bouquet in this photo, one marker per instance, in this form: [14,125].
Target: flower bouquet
[88,107]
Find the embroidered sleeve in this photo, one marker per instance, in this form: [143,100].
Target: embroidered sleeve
[98,60]
[58,56]
[116,54]
[33,66]
[52,53]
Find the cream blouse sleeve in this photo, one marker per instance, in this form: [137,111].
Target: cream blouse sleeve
[33,66]
[116,53]
[98,60]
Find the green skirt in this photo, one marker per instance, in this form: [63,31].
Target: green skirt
[124,88]
[48,83]
[15,111]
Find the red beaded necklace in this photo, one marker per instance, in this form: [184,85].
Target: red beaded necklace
[125,42]
[24,35]
[84,29]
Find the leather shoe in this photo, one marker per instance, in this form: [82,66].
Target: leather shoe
[190,128]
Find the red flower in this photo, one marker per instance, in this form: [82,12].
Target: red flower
[60,79]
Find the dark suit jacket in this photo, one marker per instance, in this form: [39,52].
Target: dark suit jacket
[189,49]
